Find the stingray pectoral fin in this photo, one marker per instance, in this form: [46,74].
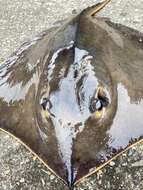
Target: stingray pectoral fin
[19,79]
[120,50]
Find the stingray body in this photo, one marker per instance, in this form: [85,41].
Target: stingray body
[74,95]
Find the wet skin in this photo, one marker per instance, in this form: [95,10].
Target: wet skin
[74,95]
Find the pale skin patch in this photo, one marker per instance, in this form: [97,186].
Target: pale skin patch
[45,114]
[99,114]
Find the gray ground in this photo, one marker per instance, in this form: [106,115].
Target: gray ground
[19,169]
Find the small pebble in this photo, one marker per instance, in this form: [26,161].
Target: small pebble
[74,11]
[22,180]
[34,158]
[140,39]
[112,163]
[52,177]
[43,182]
[124,164]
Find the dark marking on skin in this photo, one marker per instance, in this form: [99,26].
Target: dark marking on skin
[75,94]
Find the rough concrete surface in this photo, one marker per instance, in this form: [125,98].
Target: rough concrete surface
[21,20]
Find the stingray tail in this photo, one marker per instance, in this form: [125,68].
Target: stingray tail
[91,11]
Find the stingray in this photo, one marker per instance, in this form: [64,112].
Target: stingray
[74,94]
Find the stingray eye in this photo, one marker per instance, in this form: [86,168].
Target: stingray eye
[46,104]
[95,105]
[99,101]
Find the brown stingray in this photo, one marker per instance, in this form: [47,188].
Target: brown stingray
[74,95]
